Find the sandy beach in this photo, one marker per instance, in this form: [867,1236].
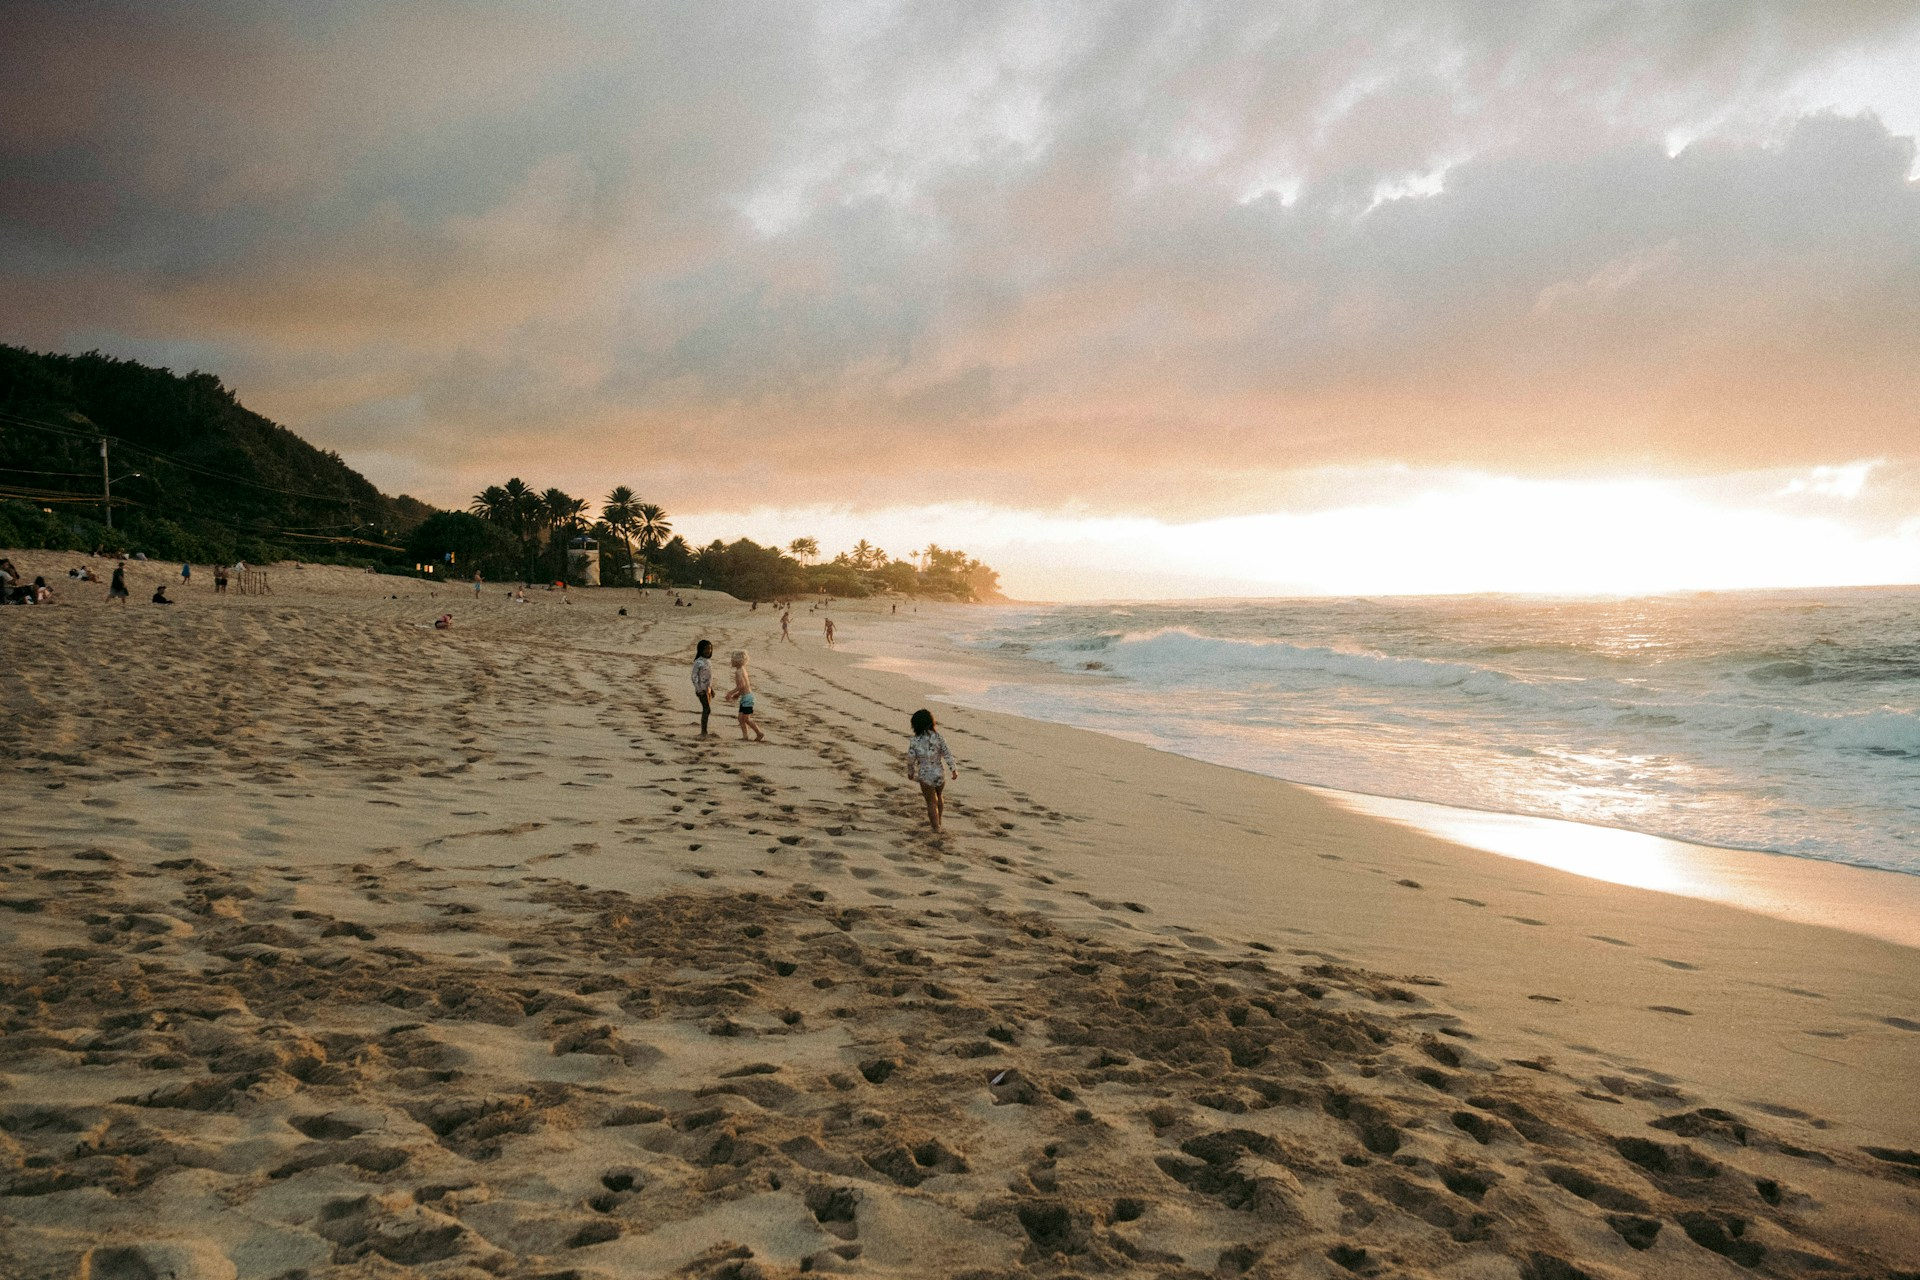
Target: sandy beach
[333,945]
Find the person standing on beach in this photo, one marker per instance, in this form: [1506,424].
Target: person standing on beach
[703,681]
[220,579]
[186,575]
[743,691]
[477,582]
[829,633]
[786,621]
[926,756]
[117,589]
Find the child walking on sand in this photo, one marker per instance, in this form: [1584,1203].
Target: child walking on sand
[743,692]
[925,756]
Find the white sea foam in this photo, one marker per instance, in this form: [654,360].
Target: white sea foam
[1756,720]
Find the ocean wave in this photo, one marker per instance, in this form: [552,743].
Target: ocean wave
[1728,721]
[1175,654]
[1178,657]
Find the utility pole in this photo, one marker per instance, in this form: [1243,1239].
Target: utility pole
[106,483]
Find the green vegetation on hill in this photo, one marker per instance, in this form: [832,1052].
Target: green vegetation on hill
[196,475]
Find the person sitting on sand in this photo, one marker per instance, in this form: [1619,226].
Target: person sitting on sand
[743,691]
[160,594]
[703,681]
[117,589]
[42,593]
[926,755]
[443,623]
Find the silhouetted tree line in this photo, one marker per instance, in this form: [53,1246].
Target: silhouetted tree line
[512,530]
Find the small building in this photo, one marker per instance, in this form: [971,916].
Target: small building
[583,562]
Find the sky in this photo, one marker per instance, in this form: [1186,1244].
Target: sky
[1127,299]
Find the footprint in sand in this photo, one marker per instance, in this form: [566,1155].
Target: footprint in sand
[1539,924]
[1472,902]
[1667,1008]
[1904,1024]
[1612,942]
[1679,964]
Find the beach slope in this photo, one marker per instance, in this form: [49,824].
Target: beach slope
[331,944]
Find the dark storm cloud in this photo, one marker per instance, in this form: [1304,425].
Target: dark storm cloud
[1030,253]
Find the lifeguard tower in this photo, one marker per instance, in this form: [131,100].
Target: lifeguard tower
[583,561]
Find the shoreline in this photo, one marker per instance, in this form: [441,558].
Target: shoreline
[1800,888]
[335,943]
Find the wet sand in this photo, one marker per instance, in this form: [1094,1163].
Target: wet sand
[333,945]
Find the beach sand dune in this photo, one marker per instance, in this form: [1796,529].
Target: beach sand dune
[331,945]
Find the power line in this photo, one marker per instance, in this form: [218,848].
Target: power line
[36,471]
[71,433]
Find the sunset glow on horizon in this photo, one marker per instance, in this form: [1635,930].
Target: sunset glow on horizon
[1449,534]
[1164,301]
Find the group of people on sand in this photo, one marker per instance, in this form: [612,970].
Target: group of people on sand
[929,761]
[786,628]
[14,589]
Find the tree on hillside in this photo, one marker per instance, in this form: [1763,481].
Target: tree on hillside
[474,543]
[673,558]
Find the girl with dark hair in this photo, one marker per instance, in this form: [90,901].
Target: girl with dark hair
[703,681]
[926,755]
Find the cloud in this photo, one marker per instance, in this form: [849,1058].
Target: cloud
[1122,258]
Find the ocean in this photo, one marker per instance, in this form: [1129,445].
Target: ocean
[1779,721]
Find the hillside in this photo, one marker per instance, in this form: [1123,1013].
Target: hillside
[197,475]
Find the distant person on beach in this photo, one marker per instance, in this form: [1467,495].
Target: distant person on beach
[220,579]
[786,622]
[927,760]
[829,633]
[703,681]
[443,623]
[186,575]
[476,584]
[117,589]
[743,691]
[160,594]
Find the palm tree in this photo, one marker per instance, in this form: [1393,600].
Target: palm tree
[804,549]
[651,523]
[621,513]
[517,511]
[559,511]
[491,503]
